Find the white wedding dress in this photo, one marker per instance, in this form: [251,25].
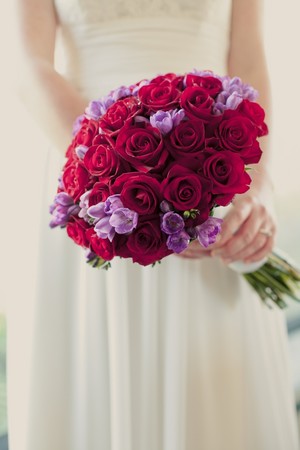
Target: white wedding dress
[182,356]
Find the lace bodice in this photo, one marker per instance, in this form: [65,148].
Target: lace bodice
[105,10]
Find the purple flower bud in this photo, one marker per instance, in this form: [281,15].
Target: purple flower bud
[81,151]
[94,110]
[178,242]
[112,203]
[84,206]
[163,121]
[165,206]
[61,210]
[97,211]
[124,220]
[177,116]
[171,223]
[77,124]
[121,92]
[208,231]
[233,101]
[90,255]
[64,199]
[104,229]
[166,120]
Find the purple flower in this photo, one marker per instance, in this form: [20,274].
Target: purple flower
[81,151]
[208,231]
[61,210]
[84,205]
[178,242]
[77,124]
[171,223]
[104,229]
[124,220]
[166,120]
[97,211]
[112,203]
[97,108]
[165,206]
[121,92]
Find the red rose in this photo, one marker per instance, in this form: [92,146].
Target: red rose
[255,113]
[146,244]
[118,114]
[139,192]
[102,247]
[226,171]
[102,161]
[238,134]
[76,179]
[187,139]
[213,86]
[88,130]
[182,188]
[77,231]
[142,146]
[100,192]
[160,94]
[197,103]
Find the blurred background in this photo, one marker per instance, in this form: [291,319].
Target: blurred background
[23,155]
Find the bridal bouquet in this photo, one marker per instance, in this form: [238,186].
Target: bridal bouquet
[150,162]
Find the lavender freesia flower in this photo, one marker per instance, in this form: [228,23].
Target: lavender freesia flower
[165,206]
[61,210]
[234,91]
[171,223]
[208,231]
[104,229]
[178,242]
[77,124]
[84,206]
[122,91]
[97,211]
[81,150]
[124,220]
[166,120]
[97,108]
[112,203]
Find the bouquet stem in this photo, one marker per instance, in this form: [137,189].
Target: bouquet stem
[276,280]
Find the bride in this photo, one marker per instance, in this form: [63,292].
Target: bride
[182,356]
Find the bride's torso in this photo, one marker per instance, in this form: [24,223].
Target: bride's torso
[109,43]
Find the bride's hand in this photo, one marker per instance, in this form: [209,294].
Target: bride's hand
[248,231]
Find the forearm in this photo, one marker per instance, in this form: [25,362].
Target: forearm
[52,101]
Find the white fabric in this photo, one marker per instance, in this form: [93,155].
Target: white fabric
[182,356]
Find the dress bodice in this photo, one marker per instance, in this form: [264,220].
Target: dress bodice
[109,43]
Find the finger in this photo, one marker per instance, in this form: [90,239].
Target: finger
[233,221]
[262,252]
[258,243]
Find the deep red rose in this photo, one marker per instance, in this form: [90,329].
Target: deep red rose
[255,113]
[77,231]
[176,80]
[187,139]
[197,103]
[142,146]
[102,247]
[76,179]
[182,188]
[238,134]
[100,191]
[89,129]
[119,114]
[212,85]
[139,192]
[102,161]
[146,244]
[160,94]
[226,171]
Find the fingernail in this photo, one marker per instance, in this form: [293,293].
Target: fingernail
[216,253]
